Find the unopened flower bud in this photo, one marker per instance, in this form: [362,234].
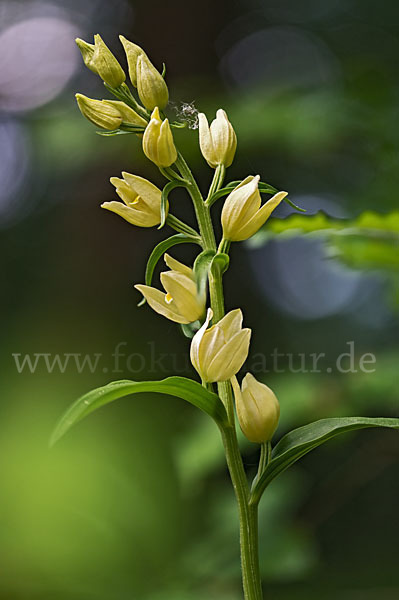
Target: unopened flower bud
[258,409]
[99,59]
[87,51]
[132,53]
[182,303]
[242,214]
[128,114]
[219,352]
[158,144]
[100,112]
[151,86]
[141,200]
[218,142]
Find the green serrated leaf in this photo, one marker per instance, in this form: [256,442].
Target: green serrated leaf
[370,224]
[371,240]
[300,441]
[180,387]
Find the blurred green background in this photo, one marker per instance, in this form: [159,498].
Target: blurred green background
[136,502]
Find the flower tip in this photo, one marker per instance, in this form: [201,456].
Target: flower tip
[155,114]
[221,113]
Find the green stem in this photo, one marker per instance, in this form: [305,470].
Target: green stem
[247,515]
[123,93]
[265,454]
[217,181]
[201,211]
[224,246]
[247,512]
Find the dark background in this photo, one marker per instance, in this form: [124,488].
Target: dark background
[135,502]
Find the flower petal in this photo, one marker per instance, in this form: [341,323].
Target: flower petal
[205,140]
[229,360]
[144,188]
[183,290]
[231,323]
[131,215]
[175,265]
[240,206]
[196,343]
[157,300]
[260,218]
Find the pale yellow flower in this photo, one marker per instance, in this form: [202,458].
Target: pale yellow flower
[242,214]
[219,352]
[218,142]
[158,144]
[142,200]
[258,409]
[182,301]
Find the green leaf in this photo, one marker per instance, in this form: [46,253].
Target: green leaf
[190,329]
[264,188]
[164,199]
[295,206]
[219,194]
[220,263]
[299,442]
[114,132]
[371,240]
[201,269]
[159,251]
[180,387]
[369,224]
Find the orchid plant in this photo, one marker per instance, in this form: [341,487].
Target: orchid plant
[193,295]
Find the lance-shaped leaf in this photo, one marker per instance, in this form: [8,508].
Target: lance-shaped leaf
[300,441]
[370,224]
[160,250]
[180,387]
[369,241]
[164,199]
[264,188]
